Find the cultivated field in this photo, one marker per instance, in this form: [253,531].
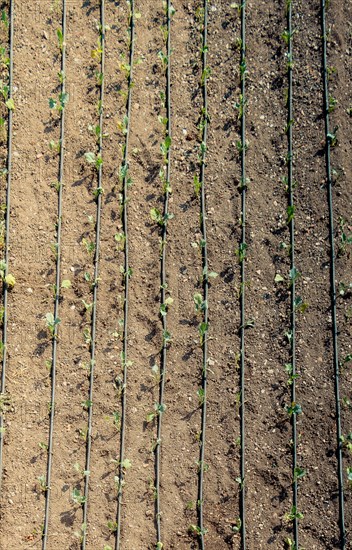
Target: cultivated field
[176,282]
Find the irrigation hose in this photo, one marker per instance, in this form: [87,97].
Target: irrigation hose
[57,291]
[126,268]
[7,234]
[96,276]
[292,266]
[242,297]
[205,279]
[163,357]
[343,540]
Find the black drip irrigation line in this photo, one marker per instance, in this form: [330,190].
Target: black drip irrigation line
[7,233]
[328,138]
[204,333]
[163,284]
[95,283]
[57,290]
[242,254]
[126,270]
[290,184]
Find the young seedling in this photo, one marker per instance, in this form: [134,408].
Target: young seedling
[77,497]
[52,323]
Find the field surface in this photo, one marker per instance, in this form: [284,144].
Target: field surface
[176,275]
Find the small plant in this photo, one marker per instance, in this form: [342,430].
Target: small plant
[345,239]
[294,408]
[236,527]
[332,104]
[346,441]
[332,137]
[77,497]
[291,377]
[112,526]
[293,514]
[349,476]
[60,38]
[159,408]
[196,530]
[52,323]
[241,252]
[298,473]
[290,213]
[92,158]
[42,483]
[300,305]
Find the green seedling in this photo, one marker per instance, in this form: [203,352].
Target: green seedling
[299,305]
[291,377]
[202,329]
[240,105]
[349,476]
[241,252]
[165,147]
[201,396]
[196,530]
[97,52]
[10,104]
[5,60]
[159,408]
[290,211]
[112,526]
[77,497]
[287,36]
[60,38]
[43,446]
[87,335]
[55,146]
[89,245]
[332,137]
[294,408]
[298,473]
[164,307]
[83,433]
[197,186]
[293,514]
[92,158]
[199,303]
[294,275]
[99,78]
[345,239]
[61,103]
[98,191]
[332,104]
[346,441]
[5,19]
[42,483]
[163,58]
[4,90]
[236,527]
[157,217]
[87,404]
[52,323]
[205,75]
[290,544]
[243,69]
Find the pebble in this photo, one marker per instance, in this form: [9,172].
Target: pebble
[30,290]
